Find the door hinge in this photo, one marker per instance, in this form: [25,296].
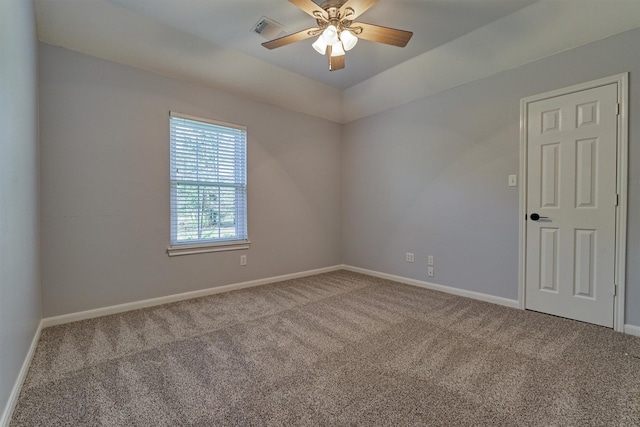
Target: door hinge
[615,290]
[617,199]
[618,109]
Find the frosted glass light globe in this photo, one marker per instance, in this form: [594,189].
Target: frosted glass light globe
[348,40]
[336,49]
[330,34]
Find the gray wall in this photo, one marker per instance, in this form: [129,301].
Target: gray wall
[105,186]
[430,177]
[19,279]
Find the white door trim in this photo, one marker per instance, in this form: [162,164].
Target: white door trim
[622,80]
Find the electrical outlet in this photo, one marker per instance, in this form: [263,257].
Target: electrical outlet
[430,260]
[430,272]
[409,257]
[243,260]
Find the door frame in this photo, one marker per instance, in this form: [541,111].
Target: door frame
[622,81]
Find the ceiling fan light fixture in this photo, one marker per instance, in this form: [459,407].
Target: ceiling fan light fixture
[348,40]
[337,49]
[330,34]
[320,45]
[337,29]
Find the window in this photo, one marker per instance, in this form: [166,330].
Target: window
[208,185]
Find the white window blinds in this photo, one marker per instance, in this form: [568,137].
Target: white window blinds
[208,181]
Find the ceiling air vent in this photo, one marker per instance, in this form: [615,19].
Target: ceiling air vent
[269,29]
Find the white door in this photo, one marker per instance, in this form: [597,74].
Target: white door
[571,186]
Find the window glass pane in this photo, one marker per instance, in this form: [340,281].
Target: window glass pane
[208,182]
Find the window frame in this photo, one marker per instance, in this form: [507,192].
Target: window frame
[212,245]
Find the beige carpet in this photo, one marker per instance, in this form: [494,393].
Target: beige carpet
[334,349]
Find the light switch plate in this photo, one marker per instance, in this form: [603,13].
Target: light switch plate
[513,180]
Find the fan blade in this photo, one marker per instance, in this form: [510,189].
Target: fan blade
[292,38]
[335,62]
[358,6]
[311,8]
[376,33]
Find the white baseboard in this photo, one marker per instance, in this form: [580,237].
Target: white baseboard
[120,308]
[632,330]
[448,289]
[15,392]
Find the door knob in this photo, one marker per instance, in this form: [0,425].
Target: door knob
[535,217]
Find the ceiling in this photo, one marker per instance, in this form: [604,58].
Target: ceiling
[211,43]
[229,24]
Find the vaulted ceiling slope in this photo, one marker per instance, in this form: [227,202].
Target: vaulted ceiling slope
[209,42]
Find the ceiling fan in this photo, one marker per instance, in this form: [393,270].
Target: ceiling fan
[338,31]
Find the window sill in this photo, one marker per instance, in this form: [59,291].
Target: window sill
[206,248]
